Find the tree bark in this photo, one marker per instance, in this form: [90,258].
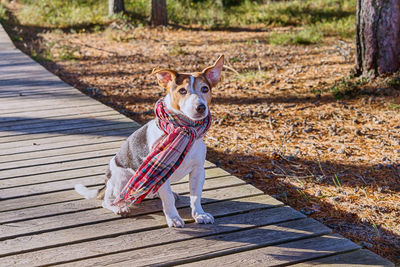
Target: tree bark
[377,37]
[115,7]
[159,13]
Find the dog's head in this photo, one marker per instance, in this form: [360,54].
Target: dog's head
[190,93]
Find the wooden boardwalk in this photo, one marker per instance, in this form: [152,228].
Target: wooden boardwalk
[52,137]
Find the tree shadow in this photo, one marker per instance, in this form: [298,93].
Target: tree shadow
[356,177]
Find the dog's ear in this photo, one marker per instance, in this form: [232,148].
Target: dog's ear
[214,72]
[164,76]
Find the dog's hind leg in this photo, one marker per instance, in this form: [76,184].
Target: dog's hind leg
[114,186]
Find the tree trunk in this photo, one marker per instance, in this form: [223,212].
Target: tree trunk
[159,13]
[115,7]
[377,37]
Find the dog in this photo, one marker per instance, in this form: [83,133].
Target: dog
[188,94]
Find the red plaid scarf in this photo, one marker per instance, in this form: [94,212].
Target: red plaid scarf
[166,156]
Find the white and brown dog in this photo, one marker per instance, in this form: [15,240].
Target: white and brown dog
[188,94]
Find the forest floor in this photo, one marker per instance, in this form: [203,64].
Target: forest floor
[290,120]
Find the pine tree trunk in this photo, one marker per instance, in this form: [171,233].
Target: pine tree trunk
[115,7]
[377,37]
[159,13]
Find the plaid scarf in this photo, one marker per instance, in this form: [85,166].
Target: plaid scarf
[166,156]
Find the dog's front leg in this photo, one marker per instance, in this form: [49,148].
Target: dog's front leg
[168,202]
[197,177]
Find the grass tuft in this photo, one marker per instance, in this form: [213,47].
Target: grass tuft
[304,37]
[250,76]
[65,13]
[3,13]
[348,88]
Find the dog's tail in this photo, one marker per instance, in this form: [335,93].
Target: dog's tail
[86,192]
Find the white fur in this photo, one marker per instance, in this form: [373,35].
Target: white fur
[86,192]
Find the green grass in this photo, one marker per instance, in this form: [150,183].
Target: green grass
[62,13]
[393,106]
[348,87]
[253,76]
[3,13]
[312,19]
[331,16]
[303,37]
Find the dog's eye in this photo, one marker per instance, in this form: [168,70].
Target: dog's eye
[204,89]
[182,91]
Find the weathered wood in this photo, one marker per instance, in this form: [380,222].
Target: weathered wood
[23,167]
[57,167]
[58,125]
[52,177]
[69,150]
[68,142]
[56,186]
[40,115]
[77,204]
[11,230]
[359,258]
[214,245]
[63,130]
[131,225]
[283,254]
[22,104]
[14,107]
[40,200]
[129,242]
[30,139]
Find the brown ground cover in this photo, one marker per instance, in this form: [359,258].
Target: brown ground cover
[276,124]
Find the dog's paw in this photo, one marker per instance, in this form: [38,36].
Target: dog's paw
[123,211]
[175,222]
[203,218]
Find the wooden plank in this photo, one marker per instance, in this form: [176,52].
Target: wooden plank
[16,186]
[23,167]
[55,186]
[213,245]
[80,204]
[11,230]
[39,200]
[42,147]
[45,104]
[69,150]
[28,181]
[27,100]
[55,168]
[45,114]
[62,129]
[220,202]
[52,177]
[100,130]
[58,125]
[18,122]
[128,242]
[283,254]
[359,258]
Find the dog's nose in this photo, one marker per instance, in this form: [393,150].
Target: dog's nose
[201,108]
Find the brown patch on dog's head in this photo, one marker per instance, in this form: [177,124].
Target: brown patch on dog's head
[181,86]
